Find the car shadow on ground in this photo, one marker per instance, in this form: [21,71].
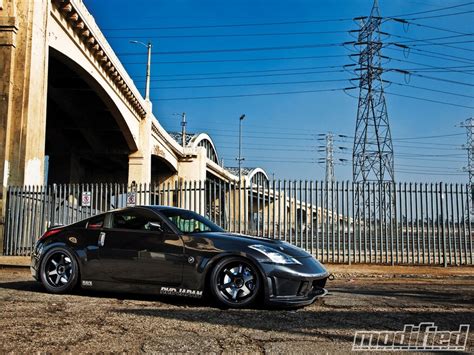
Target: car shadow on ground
[34,286]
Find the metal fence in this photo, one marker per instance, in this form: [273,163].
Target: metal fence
[340,222]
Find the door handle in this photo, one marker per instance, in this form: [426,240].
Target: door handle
[101,239]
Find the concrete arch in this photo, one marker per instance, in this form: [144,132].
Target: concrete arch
[203,139]
[255,173]
[161,169]
[67,49]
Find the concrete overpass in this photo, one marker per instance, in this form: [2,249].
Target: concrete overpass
[70,113]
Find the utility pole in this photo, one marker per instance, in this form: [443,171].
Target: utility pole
[469,125]
[240,158]
[148,67]
[183,128]
[372,157]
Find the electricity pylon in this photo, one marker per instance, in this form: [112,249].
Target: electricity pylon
[469,125]
[372,157]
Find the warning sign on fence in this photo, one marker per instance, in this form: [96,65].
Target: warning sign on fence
[131,198]
[86,199]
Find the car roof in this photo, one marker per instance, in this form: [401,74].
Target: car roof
[154,208]
[160,208]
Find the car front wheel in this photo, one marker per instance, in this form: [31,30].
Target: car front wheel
[235,282]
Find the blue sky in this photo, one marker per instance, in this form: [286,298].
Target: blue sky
[281,131]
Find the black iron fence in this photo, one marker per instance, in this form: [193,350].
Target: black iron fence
[340,222]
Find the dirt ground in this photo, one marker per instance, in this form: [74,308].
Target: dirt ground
[32,320]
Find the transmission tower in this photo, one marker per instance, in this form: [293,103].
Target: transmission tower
[328,160]
[469,125]
[329,157]
[372,157]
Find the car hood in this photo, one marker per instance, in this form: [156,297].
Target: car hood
[248,240]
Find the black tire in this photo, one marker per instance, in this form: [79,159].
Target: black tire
[59,271]
[235,282]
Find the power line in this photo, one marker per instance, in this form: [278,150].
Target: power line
[229,25]
[430,40]
[437,55]
[428,89]
[433,27]
[425,137]
[434,10]
[451,69]
[240,60]
[250,76]
[250,84]
[305,82]
[442,15]
[446,44]
[269,23]
[233,35]
[252,71]
[428,167]
[232,50]
[429,137]
[306,68]
[254,49]
[429,100]
[467,60]
[308,91]
[425,172]
[256,94]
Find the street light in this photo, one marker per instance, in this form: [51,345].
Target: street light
[147,85]
[240,159]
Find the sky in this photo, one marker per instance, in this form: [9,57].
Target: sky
[254,47]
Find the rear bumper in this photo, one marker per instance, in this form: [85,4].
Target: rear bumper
[295,285]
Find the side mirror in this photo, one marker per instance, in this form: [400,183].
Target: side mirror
[155,226]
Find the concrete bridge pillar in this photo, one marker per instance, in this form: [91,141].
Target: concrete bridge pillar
[23,94]
[139,162]
[195,170]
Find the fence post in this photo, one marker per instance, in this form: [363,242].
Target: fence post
[441,198]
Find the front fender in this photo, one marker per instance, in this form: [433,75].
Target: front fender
[206,266]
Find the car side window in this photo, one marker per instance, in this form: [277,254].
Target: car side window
[137,220]
[96,222]
[187,224]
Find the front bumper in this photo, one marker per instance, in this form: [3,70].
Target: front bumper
[295,285]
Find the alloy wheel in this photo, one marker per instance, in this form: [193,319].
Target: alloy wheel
[59,269]
[237,282]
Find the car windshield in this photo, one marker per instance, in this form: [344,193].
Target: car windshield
[190,222]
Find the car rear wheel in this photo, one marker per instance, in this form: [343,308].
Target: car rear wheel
[235,282]
[59,270]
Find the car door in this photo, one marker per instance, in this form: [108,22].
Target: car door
[139,247]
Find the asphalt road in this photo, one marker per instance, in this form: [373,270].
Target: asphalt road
[32,320]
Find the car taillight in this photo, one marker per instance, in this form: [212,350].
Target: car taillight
[50,232]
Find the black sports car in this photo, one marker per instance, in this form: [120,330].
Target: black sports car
[171,251]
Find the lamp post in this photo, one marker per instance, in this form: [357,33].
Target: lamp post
[240,159]
[147,85]
[183,127]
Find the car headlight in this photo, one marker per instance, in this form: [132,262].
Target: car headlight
[274,255]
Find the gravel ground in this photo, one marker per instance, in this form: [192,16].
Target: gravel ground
[32,320]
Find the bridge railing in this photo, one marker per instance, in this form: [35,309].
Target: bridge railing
[340,222]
